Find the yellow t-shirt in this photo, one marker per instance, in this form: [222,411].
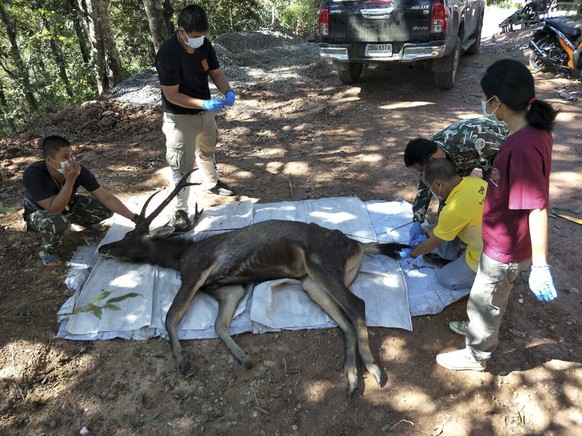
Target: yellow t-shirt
[462,215]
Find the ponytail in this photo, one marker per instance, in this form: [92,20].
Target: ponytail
[541,115]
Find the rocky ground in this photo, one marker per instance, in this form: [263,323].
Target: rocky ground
[294,133]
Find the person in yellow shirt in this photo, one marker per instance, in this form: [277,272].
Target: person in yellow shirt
[459,223]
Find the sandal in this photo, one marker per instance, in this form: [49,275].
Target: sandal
[50,259]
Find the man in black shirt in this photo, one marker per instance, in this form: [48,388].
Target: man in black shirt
[51,202]
[184,63]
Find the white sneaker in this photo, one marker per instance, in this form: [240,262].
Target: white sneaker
[459,327]
[461,360]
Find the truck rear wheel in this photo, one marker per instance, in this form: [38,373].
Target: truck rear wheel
[445,68]
[348,72]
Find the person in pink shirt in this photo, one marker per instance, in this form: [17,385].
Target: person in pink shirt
[515,214]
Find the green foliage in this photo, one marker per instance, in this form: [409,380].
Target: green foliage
[5,210]
[301,17]
[231,15]
[131,35]
[108,305]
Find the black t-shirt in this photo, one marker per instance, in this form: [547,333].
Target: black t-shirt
[39,185]
[178,67]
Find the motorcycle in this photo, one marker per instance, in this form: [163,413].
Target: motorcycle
[556,46]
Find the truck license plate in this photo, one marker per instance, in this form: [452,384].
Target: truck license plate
[379,50]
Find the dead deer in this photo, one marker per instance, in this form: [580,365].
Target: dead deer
[326,261]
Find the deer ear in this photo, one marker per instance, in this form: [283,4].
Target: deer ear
[162,232]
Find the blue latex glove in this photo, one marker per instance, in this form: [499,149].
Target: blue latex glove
[214,104]
[229,97]
[419,240]
[541,283]
[405,253]
[414,232]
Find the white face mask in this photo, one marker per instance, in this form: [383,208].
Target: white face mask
[484,109]
[63,166]
[434,194]
[194,42]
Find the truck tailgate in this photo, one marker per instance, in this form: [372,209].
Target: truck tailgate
[379,21]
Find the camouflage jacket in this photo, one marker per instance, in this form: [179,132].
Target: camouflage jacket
[458,142]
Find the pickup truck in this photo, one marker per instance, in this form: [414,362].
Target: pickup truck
[355,33]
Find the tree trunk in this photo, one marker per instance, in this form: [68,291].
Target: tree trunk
[3,107]
[168,15]
[158,29]
[75,15]
[113,59]
[23,81]
[105,55]
[97,47]
[59,59]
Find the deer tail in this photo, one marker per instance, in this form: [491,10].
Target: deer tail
[390,249]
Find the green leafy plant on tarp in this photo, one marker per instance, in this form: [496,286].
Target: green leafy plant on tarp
[4,210]
[97,310]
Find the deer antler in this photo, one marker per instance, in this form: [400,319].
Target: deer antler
[193,221]
[144,222]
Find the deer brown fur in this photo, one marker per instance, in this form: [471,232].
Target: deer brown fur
[326,261]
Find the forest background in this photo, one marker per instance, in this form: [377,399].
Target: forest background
[57,53]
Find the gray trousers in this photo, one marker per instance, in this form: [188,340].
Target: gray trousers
[457,274]
[487,303]
[191,139]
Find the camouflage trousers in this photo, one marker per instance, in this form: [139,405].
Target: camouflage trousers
[85,211]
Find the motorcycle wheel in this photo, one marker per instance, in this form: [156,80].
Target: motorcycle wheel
[535,63]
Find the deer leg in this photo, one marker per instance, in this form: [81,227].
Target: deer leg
[228,298]
[317,294]
[352,267]
[177,311]
[354,307]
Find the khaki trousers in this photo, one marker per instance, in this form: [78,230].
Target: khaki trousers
[191,139]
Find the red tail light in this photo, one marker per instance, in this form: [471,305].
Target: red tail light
[438,18]
[324,22]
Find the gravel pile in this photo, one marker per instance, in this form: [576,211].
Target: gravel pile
[247,58]
[143,88]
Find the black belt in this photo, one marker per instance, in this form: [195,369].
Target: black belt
[188,113]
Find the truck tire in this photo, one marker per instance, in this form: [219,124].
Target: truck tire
[445,68]
[474,48]
[348,72]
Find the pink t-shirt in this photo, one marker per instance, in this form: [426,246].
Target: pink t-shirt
[519,183]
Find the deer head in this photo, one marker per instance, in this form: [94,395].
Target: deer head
[136,245]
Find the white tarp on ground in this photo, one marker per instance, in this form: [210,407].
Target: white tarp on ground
[393,291]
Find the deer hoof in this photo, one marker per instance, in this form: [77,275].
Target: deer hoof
[375,370]
[351,388]
[184,366]
[247,362]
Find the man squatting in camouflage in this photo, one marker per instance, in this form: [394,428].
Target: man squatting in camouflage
[51,202]
[456,143]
